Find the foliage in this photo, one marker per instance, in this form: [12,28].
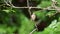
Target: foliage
[14,21]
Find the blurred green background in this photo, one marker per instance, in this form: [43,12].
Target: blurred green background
[14,21]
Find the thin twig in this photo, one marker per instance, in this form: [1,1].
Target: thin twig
[7,3]
[33,31]
[10,4]
[28,7]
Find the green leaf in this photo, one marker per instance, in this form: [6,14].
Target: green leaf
[41,14]
[7,11]
[51,13]
[44,4]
